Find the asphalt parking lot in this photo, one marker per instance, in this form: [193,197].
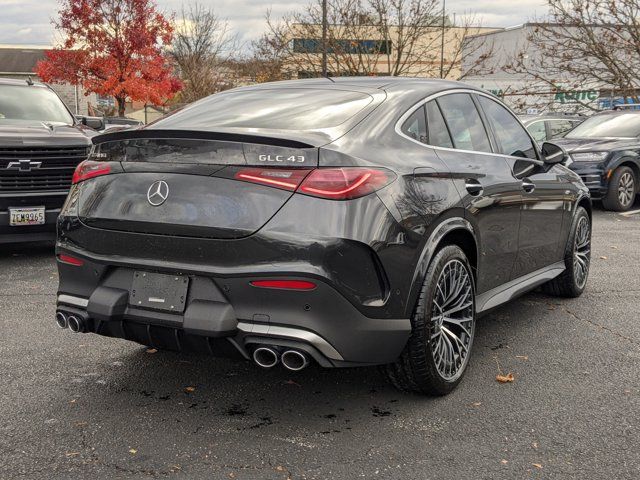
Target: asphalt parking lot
[83,406]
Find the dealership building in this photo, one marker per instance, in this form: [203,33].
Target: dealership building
[523,92]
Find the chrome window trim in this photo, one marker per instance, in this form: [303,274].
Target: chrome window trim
[409,112]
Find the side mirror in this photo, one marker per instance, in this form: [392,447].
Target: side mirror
[553,154]
[97,123]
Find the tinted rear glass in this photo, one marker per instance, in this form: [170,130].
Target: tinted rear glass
[286,109]
[464,122]
[32,104]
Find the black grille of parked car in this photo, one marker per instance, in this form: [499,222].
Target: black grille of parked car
[39,168]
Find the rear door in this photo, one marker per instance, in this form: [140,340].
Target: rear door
[541,190]
[484,180]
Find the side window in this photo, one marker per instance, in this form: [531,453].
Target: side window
[559,128]
[538,131]
[438,134]
[464,122]
[511,135]
[415,126]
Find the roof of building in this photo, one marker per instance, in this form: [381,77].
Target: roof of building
[19,59]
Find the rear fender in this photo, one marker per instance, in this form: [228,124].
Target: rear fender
[429,250]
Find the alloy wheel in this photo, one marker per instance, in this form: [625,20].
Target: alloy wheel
[582,252]
[452,321]
[626,189]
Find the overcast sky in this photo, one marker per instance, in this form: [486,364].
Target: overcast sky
[29,21]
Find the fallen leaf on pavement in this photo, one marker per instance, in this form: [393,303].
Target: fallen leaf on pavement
[522,357]
[133,451]
[603,257]
[190,389]
[537,465]
[72,454]
[508,378]
[476,404]
[280,468]
[291,382]
[152,350]
[534,444]
[504,462]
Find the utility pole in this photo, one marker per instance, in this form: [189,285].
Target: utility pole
[444,4]
[324,38]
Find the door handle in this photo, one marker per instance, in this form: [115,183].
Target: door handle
[473,186]
[528,186]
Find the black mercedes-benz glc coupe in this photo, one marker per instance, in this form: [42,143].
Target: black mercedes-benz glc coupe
[344,222]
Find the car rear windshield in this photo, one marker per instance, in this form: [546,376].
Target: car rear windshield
[280,109]
[623,125]
[32,103]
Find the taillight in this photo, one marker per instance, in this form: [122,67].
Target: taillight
[345,183]
[284,284]
[332,183]
[90,169]
[286,179]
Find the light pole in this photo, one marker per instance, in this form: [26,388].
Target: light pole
[444,4]
[324,38]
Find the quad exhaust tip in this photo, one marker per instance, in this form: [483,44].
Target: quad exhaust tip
[265,357]
[76,324]
[61,320]
[294,360]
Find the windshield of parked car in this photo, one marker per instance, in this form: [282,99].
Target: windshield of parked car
[32,103]
[623,125]
[285,108]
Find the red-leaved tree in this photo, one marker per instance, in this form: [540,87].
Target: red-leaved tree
[113,47]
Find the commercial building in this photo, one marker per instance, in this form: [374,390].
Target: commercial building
[503,49]
[368,49]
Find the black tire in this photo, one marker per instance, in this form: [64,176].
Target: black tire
[417,370]
[621,193]
[569,283]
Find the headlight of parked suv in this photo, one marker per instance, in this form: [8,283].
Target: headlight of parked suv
[589,156]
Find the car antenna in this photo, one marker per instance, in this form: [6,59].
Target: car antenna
[29,81]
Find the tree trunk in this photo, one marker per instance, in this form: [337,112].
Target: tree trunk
[121,105]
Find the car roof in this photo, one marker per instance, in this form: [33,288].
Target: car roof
[22,83]
[373,83]
[550,116]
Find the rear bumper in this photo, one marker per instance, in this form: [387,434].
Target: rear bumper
[226,316]
[29,233]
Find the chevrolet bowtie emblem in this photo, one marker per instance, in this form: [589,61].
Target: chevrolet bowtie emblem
[158,193]
[24,165]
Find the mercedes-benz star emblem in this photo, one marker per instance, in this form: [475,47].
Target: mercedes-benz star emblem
[158,193]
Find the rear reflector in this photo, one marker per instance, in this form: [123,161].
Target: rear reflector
[345,183]
[284,284]
[273,177]
[90,169]
[76,262]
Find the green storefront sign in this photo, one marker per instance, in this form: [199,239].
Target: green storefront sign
[574,96]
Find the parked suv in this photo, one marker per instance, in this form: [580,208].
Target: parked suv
[551,125]
[605,150]
[41,144]
[345,222]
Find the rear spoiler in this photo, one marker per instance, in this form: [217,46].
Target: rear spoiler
[274,139]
